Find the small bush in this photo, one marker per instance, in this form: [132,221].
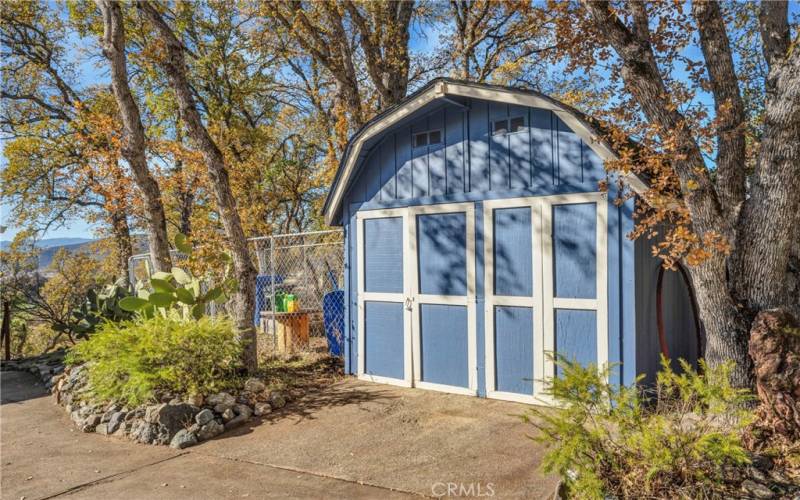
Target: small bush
[676,440]
[133,360]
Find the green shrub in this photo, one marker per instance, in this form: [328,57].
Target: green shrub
[131,361]
[675,440]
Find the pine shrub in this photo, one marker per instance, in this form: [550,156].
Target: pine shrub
[679,439]
[132,361]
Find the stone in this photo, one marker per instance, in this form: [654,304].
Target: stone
[209,430]
[76,417]
[221,398]
[228,415]
[115,421]
[171,418]
[130,416]
[262,409]
[102,428]
[183,439]
[122,430]
[254,385]
[243,410]
[90,423]
[205,416]
[151,413]
[109,413]
[143,432]
[277,400]
[756,490]
[236,422]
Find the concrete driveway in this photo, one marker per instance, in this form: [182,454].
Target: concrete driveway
[352,440]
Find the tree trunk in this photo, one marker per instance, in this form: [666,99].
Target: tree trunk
[133,147]
[727,330]
[775,349]
[5,330]
[122,239]
[244,297]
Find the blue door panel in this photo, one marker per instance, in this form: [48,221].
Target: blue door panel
[442,253]
[513,257]
[383,255]
[576,336]
[575,250]
[383,339]
[444,344]
[513,349]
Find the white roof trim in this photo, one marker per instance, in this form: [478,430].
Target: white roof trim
[443,88]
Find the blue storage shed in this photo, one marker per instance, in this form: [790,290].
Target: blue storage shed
[477,240]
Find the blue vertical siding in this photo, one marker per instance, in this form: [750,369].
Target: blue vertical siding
[444,344]
[455,151]
[478,124]
[388,168]
[575,250]
[384,339]
[499,173]
[513,349]
[442,240]
[383,255]
[513,252]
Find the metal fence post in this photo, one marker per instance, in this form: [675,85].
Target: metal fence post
[272,274]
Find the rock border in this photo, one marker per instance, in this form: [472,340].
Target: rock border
[176,421]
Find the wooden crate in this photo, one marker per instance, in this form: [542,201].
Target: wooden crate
[291,329]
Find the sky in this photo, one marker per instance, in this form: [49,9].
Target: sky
[89,74]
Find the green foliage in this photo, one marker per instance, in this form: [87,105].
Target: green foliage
[178,290]
[100,306]
[133,360]
[672,441]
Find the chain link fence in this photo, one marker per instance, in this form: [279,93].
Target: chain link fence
[299,288]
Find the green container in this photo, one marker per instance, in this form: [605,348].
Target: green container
[280,302]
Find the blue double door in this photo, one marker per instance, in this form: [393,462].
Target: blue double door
[416,307]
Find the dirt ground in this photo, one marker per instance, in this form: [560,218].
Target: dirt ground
[349,439]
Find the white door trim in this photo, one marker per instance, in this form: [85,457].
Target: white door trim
[542,301]
[412,351]
[468,301]
[363,296]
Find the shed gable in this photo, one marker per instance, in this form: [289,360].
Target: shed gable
[483,147]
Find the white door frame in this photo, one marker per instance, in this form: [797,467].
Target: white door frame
[400,297]
[417,299]
[411,298]
[542,301]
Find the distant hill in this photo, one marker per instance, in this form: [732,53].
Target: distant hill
[49,247]
[47,254]
[52,242]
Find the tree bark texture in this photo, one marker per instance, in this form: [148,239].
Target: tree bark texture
[122,239]
[5,330]
[133,147]
[760,272]
[775,349]
[174,66]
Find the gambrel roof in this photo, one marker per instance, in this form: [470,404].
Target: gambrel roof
[446,89]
